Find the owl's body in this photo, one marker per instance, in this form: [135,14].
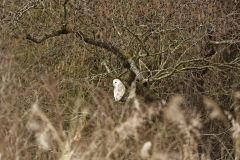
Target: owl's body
[119,89]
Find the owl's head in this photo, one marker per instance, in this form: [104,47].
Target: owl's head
[116,82]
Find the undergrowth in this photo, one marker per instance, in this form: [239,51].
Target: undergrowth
[36,123]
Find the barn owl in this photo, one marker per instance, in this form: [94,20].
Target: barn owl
[119,89]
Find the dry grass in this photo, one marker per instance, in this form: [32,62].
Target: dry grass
[95,127]
[98,129]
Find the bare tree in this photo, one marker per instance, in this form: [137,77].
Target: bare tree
[165,47]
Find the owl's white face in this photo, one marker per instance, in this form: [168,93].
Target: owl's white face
[119,89]
[116,82]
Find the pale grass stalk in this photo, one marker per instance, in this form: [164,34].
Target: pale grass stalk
[43,135]
[175,115]
[236,126]
[215,111]
[144,153]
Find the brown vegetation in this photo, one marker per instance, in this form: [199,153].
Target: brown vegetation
[179,60]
